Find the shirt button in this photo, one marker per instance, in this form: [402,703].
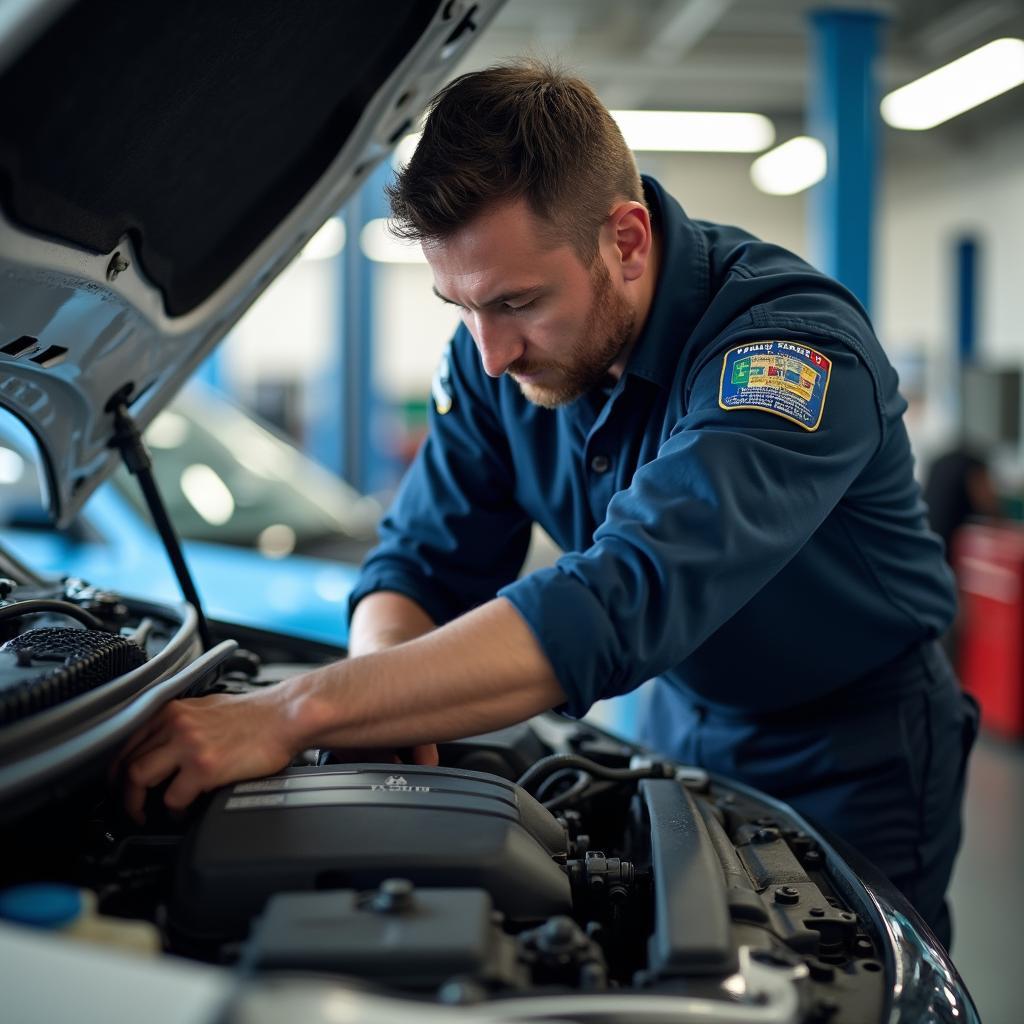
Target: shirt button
[600,463]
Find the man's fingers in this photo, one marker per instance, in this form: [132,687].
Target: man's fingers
[426,754]
[143,774]
[141,749]
[141,736]
[182,791]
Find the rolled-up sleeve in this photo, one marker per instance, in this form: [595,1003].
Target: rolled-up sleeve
[454,534]
[731,497]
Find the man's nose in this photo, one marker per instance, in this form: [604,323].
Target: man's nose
[500,345]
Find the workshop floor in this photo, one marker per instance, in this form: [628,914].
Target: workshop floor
[988,883]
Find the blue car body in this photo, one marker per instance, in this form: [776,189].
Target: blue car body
[303,596]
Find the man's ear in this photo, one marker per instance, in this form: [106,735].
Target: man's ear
[629,227]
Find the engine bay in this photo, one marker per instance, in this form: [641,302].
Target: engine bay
[548,858]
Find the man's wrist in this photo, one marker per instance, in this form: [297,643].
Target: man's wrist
[307,712]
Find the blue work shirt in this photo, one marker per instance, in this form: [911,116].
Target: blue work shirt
[754,551]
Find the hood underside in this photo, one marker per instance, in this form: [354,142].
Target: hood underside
[160,165]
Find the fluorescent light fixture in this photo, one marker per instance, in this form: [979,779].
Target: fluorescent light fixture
[327,242]
[791,167]
[694,131]
[169,430]
[207,493]
[950,90]
[381,246]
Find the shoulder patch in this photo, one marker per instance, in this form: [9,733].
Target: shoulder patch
[784,378]
[441,385]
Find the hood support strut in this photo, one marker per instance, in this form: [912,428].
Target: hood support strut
[128,440]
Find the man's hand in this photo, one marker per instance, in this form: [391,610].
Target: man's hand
[204,743]
[478,673]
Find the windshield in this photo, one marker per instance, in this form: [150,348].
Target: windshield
[226,478]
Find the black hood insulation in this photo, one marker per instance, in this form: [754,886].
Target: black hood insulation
[193,127]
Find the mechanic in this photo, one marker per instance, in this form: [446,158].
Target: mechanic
[711,431]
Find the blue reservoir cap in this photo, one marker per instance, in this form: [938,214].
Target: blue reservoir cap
[41,904]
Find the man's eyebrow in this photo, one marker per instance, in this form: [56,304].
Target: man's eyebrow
[443,298]
[518,293]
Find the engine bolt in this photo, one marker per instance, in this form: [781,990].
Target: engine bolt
[393,896]
[787,894]
[557,934]
[116,267]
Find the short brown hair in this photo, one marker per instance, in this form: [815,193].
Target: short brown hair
[516,130]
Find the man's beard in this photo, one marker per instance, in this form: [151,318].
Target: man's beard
[605,335]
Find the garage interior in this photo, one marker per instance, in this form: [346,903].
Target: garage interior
[947,213]
[922,222]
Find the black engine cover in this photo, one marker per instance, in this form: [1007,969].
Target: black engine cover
[352,826]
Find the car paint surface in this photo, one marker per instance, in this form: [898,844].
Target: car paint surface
[299,595]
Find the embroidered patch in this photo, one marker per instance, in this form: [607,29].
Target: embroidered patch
[441,386]
[781,377]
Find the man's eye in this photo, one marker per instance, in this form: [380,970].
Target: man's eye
[518,309]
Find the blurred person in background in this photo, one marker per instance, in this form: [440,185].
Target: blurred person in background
[958,488]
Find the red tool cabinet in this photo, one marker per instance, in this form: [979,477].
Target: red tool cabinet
[989,564]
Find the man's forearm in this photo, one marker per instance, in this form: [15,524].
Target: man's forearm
[480,672]
[383,619]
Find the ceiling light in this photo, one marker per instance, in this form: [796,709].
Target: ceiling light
[694,131]
[207,494]
[381,246]
[791,167]
[169,430]
[969,81]
[327,242]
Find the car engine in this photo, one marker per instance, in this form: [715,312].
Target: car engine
[549,858]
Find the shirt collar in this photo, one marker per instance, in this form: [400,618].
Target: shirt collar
[681,295]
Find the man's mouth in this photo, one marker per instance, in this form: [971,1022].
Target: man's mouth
[526,373]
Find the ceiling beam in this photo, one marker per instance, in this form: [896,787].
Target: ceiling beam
[957,29]
[685,26]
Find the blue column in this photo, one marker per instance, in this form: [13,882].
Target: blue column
[843,114]
[966,299]
[342,430]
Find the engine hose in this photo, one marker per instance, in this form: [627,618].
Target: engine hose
[548,789]
[583,785]
[37,605]
[556,762]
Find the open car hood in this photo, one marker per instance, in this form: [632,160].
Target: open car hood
[160,165]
